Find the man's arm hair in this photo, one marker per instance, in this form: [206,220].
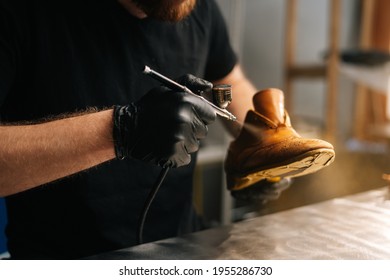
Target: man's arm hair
[36,154]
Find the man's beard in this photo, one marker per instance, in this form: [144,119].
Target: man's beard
[166,10]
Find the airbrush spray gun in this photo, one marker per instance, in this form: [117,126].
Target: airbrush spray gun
[222,94]
[222,97]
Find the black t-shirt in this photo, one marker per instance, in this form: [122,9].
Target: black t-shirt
[67,56]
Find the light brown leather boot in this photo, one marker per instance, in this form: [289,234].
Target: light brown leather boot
[268,147]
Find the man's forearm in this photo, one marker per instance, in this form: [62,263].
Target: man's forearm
[32,155]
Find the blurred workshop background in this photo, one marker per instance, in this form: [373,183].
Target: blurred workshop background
[296,45]
[330,58]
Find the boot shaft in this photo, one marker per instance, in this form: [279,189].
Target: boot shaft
[270,104]
[268,116]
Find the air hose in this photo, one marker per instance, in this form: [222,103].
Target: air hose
[148,202]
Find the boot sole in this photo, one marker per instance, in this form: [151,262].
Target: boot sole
[304,164]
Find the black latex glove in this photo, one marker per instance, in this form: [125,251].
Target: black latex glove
[195,84]
[263,190]
[164,126]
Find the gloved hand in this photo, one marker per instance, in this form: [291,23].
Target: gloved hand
[164,126]
[263,190]
[195,84]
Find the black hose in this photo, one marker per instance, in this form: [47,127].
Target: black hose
[148,202]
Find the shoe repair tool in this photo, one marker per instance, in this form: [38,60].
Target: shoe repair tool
[221,94]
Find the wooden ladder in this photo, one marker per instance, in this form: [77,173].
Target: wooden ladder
[327,71]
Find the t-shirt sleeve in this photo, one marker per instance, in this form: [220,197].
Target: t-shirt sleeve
[221,57]
[8,52]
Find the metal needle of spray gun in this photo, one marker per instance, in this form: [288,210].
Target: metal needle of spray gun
[176,86]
